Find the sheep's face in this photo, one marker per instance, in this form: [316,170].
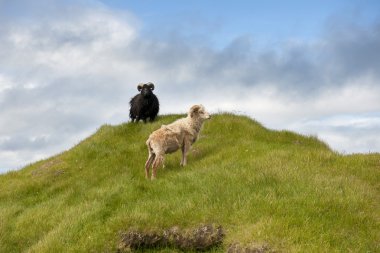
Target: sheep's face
[146,90]
[199,111]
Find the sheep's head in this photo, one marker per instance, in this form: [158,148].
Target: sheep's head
[199,111]
[146,89]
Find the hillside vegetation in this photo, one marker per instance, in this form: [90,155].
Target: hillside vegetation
[264,187]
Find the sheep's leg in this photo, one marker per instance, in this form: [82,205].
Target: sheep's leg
[151,118]
[148,164]
[157,161]
[163,162]
[185,149]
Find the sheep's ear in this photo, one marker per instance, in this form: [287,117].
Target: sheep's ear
[194,109]
[139,87]
[151,86]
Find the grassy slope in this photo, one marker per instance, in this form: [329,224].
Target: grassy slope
[262,186]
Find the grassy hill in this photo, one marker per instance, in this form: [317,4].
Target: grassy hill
[278,188]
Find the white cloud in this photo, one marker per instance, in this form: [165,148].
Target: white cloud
[5,83]
[345,133]
[355,96]
[64,75]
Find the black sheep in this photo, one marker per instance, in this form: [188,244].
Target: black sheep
[144,105]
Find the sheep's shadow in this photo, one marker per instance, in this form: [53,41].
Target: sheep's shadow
[195,156]
[203,150]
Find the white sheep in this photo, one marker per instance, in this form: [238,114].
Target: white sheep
[182,133]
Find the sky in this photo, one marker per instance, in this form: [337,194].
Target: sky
[67,67]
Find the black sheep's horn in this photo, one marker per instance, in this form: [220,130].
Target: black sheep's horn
[151,85]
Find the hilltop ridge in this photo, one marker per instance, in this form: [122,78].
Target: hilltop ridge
[264,187]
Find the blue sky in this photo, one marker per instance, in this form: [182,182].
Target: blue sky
[271,21]
[67,67]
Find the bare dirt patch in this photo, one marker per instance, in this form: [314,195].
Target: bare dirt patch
[53,167]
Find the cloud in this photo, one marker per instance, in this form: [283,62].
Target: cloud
[57,78]
[358,132]
[74,68]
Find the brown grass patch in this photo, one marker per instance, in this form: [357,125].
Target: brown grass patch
[199,239]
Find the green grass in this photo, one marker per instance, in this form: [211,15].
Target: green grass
[278,188]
